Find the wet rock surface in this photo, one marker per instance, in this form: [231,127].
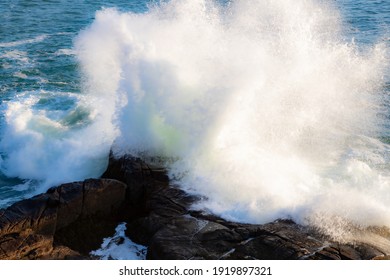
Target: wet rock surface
[69,221]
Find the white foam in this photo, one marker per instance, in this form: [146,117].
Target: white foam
[52,146]
[20,56]
[20,75]
[34,40]
[120,247]
[65,52]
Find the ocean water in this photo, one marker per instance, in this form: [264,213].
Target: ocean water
[268,109]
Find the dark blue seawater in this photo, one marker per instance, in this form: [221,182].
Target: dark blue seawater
[36,38]
[39,70]
[367,21]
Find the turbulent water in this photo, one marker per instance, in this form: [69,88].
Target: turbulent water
[267,109]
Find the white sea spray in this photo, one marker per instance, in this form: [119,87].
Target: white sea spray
[267,110]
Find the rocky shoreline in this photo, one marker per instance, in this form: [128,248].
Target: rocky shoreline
[71,220]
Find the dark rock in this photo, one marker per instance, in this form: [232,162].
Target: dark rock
[326,253]
[63,253]
[349,253]
[368,252]
[70,198]
[69,221]
[39,227]
[95,214]
[102,197]
[159,215]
